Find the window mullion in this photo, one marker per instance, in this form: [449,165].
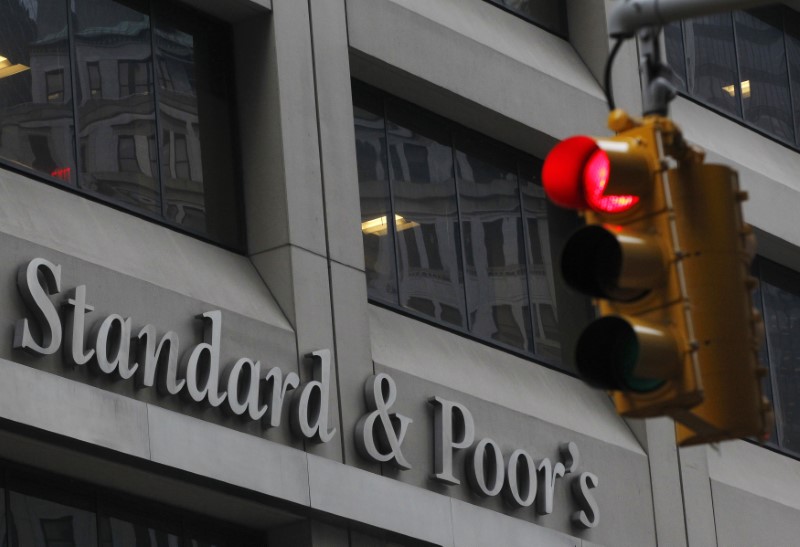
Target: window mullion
[73,79]
[737,83]
[527,261]
[795,139]
[459,232]
[390,222]
[157,114]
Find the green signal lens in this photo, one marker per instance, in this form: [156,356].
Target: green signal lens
[607,355]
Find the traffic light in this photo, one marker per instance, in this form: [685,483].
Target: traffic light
[626,257]
[665,254]
[718,248]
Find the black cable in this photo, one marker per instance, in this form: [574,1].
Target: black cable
[607,77]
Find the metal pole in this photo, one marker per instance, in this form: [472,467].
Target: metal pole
[630,15]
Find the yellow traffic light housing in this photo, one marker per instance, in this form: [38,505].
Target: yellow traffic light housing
[667,339]
[627,258]
[718,249]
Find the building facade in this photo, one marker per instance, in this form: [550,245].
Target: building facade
[282,272]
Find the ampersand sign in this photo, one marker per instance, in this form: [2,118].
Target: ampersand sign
[382,445]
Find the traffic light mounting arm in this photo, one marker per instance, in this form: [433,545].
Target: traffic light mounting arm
[628,16]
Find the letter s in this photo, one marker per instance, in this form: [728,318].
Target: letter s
[35,291]
[588,516]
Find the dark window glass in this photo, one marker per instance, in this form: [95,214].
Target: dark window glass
[745,63]
[373,185]
[426,208]
[497,290]
[764,80]
[35,130]
[108,30]
[763,354]
[121,528]
[183,173]
[39,522]
[475,236]
[194,105]
[792,26]
[126,152]
[547,228]
[676,55]
[55,86]
[780,293]
[95,79]
[711,66]
[550,14]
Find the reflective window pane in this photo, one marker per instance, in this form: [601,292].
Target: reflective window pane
[130,532]
[711,64]
[550,14]
[192,65]
[373,185]
[792,26]
[764,77]
[541,266]
[117,123]
[496,277]
[37,522]
[676,56]
[763,353]
[780,289]
[421,171]
[35,88]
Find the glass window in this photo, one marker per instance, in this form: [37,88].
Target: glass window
[40,522]
[549,14]
[745,63]
[712,73]
[497,288]
[473,237]
[373,184]
[121,528]
[158,146]
[35,104]
[780,299]
[421,170]
[764,77]
[48,511]
[676,54]
[792,26]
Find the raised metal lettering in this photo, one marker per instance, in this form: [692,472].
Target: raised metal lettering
[153,360]
[589,515]
[380,393]
[485,468]
[243,377]
[309,416]
[35,281]
[201,367]
[453,429]
[76,309]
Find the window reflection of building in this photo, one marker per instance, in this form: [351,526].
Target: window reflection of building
[55,86]
[473,246]
[779,301]
[58,532]
[550,14]
[117,100]
[746,64]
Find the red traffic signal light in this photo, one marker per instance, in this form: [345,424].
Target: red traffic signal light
[665,255]
[625,257]
[577,173]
